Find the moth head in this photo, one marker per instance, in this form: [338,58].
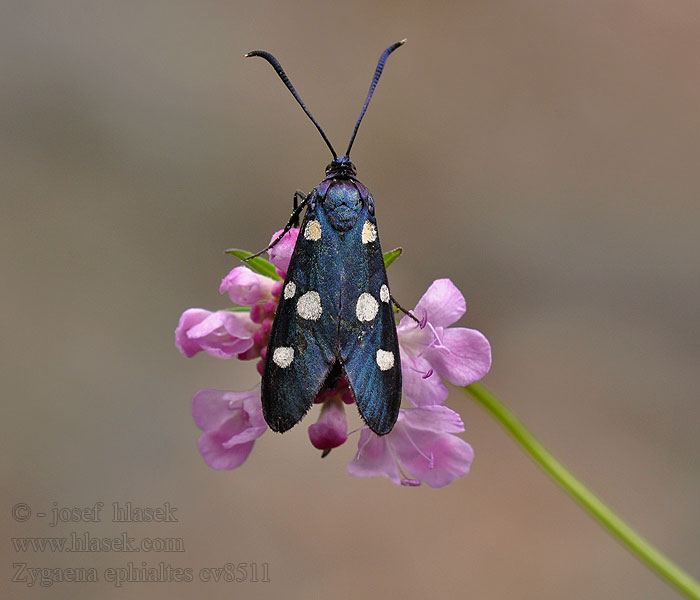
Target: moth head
[341,167]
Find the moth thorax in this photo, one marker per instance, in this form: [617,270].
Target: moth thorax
[342,204]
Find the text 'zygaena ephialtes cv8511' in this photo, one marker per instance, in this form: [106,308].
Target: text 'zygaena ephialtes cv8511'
[335,315]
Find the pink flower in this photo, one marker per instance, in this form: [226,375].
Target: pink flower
[282,252]
[246,287]
[222,334]
[421,448]
[331,429]
[433,350]
[231,422]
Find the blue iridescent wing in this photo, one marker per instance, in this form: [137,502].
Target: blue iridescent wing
[303,342]
[369,347]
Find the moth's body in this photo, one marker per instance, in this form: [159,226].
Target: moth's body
[335,311]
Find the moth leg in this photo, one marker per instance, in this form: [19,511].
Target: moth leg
[297,194]
[404,311]
[293,222]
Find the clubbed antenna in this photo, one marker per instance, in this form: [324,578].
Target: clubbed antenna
[283,76]
[377,74]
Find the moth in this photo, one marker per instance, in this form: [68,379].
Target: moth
[335,314]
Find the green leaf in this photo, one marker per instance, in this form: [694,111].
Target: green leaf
[258,264]
[391,256]
[265,267]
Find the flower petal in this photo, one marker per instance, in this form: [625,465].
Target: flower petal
[438,419]
[249,434]
[231,421]
[241,325]
[374,458]
[281,254]
[246,287]
[190,318]
[252,405]
[463,357]
[443,303]
[421,386]
[434,458]
[223,334]
[216,455]
[413,338]
[211,408]
[331,429]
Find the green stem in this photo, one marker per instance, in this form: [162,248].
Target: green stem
[676,576]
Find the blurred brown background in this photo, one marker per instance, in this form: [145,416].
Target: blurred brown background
[543,155]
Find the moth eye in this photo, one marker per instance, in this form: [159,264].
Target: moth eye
[384,293]
[283,356]
[312,232]
[385,360]
[367,307]
[369,233]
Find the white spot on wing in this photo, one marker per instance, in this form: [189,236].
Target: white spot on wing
[312,231]
[367,307]
[385,360]
[383,293]
[289,290]
[369,233]
[309,306]
[283,356]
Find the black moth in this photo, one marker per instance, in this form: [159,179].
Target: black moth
[335,313]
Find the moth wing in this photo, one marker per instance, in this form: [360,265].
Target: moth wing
[303,342]
[369,342]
